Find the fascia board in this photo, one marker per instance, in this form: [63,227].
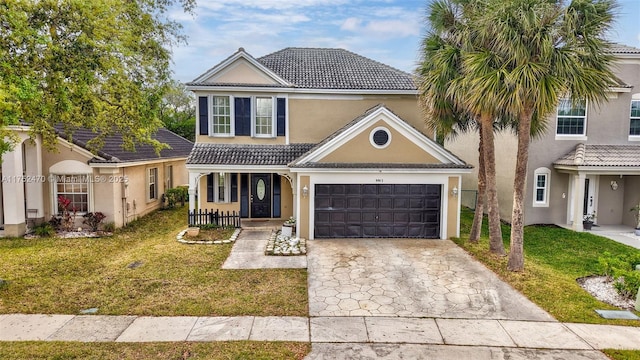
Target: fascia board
[230,60]
[292,90]
[235,168]
[382,171]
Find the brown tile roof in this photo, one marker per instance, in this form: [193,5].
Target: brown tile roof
[602,155]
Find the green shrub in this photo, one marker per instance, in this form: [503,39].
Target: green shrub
[44,230]
[177,195]
[622,269]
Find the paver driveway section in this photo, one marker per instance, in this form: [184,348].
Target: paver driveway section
[408,278]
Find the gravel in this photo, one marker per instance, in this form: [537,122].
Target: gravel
[601,287]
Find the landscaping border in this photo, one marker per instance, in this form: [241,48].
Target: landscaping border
[232,239]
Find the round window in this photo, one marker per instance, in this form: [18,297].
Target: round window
[380,137]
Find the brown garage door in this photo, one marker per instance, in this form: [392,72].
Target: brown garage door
[377,211]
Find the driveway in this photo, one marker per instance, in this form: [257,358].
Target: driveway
[408,278]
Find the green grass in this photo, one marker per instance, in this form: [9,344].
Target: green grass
[622,354]
[152,351]
[554,259]
[64,276]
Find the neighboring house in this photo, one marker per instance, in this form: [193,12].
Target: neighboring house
[587,162]
[121,184]
[327,136]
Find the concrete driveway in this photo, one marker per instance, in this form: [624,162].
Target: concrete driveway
[408,278]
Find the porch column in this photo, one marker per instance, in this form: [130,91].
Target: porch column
[34,184]
[193,190]
[578,200]
[13,192]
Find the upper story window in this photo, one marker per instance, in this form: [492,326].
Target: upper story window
[572,117]
[634,118]
[221,115]
[226,115]
[264,117]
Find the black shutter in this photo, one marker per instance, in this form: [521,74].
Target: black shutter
[234,187]
[244,195]
[210,188]
[281,115]
[203,110]
[242,114]
[276,195]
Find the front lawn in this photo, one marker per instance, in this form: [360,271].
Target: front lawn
[152,351]
[554,259]
[141,270]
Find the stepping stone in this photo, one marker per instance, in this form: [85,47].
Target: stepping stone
[617,314]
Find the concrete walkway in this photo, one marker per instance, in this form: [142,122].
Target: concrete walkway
[248,253]
[397,334]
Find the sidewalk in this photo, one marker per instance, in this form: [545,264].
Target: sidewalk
[387,330]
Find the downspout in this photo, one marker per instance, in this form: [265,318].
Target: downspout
[124,198]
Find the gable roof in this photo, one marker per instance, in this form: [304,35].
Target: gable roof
[113,152]
[601,156]
[319,68]
[342,135]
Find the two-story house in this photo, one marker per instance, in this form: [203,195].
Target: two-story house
[587,162]
[327,136]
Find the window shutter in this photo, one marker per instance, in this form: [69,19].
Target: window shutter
[244,195]
[281,115]
[234,187]
[242,115]
[203,110]
[276,195]
[210,187]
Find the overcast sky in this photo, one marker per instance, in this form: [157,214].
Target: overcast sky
[388,31]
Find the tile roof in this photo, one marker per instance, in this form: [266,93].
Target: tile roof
[623,49]
[602,155]
[113,152]
[325,68]
[317,165]
[245,154]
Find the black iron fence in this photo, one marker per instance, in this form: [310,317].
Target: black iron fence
[197,218]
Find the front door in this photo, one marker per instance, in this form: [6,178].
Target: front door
[261,195]
[589,199]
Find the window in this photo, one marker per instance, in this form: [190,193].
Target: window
[572,117]
[218,189]
[76,189]
[264,116]
[153,183]
[634,121]
[541,187]
[221,115]
[380,137]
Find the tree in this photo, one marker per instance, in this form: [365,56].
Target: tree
[541,50]
[101,65]
[178,111]
[444,92]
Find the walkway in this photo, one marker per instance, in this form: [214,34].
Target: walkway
[338,337]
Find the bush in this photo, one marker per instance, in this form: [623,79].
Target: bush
[109,227]
[44,230]
[93,219]
[622,269]
[175,195]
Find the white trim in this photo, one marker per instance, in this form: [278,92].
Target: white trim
[210,126]
[634,98]
[227,187]
[375,130]
[582,136]
[53,181]
[135,163]
[456,171]
[254,117]
[236,168]
[546,172]
[633,138]
[148,184]
[384,114]
[240,54]
[291,90]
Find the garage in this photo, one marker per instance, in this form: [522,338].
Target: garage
[377,211]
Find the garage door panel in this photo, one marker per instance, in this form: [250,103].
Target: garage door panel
[377,210]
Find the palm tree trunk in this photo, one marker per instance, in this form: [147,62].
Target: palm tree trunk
[476,227]
[516,253]
[495,232]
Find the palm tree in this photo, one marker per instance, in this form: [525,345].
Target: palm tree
[540,50]
[443,92]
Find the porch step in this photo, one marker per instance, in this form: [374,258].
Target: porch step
[261,224]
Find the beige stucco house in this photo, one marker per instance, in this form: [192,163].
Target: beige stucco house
[122,185]
[587,162]
[327,136]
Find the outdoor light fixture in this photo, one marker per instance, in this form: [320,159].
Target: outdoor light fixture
[305,191]
[614,185]
[454,191]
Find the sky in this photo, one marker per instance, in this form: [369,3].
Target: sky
[388,31]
